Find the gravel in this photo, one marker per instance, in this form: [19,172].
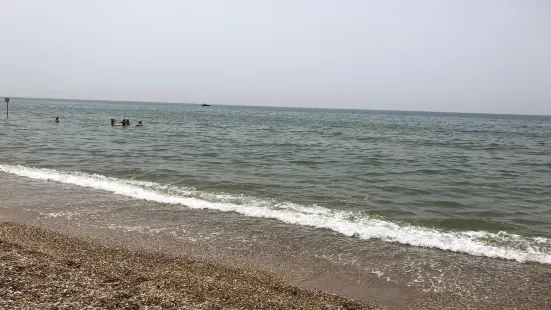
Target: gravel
[42,269]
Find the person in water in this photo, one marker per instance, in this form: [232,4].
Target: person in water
[57,119]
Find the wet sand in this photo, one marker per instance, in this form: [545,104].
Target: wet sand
[41,269]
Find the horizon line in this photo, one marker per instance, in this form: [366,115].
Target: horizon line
[268,106]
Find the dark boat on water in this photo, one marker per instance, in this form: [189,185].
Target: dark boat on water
[205,105]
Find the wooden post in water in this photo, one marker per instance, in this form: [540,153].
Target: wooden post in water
[7,100]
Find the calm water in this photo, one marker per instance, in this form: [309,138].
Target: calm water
[475,184]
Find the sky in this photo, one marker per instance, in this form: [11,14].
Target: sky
[489,56]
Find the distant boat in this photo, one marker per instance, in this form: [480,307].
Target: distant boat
[205,105]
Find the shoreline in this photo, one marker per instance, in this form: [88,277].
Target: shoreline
[46,269]
[67,217]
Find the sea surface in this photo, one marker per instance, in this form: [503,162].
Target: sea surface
[479,184]
[474,184]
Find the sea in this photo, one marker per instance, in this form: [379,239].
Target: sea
[436,190]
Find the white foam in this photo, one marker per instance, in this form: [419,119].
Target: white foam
[479,243]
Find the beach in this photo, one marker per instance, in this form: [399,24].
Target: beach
[41,269]
[275,155]
[394,210]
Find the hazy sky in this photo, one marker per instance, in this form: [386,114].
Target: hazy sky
[438,55]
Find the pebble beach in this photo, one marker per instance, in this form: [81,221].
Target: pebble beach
[42,269]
